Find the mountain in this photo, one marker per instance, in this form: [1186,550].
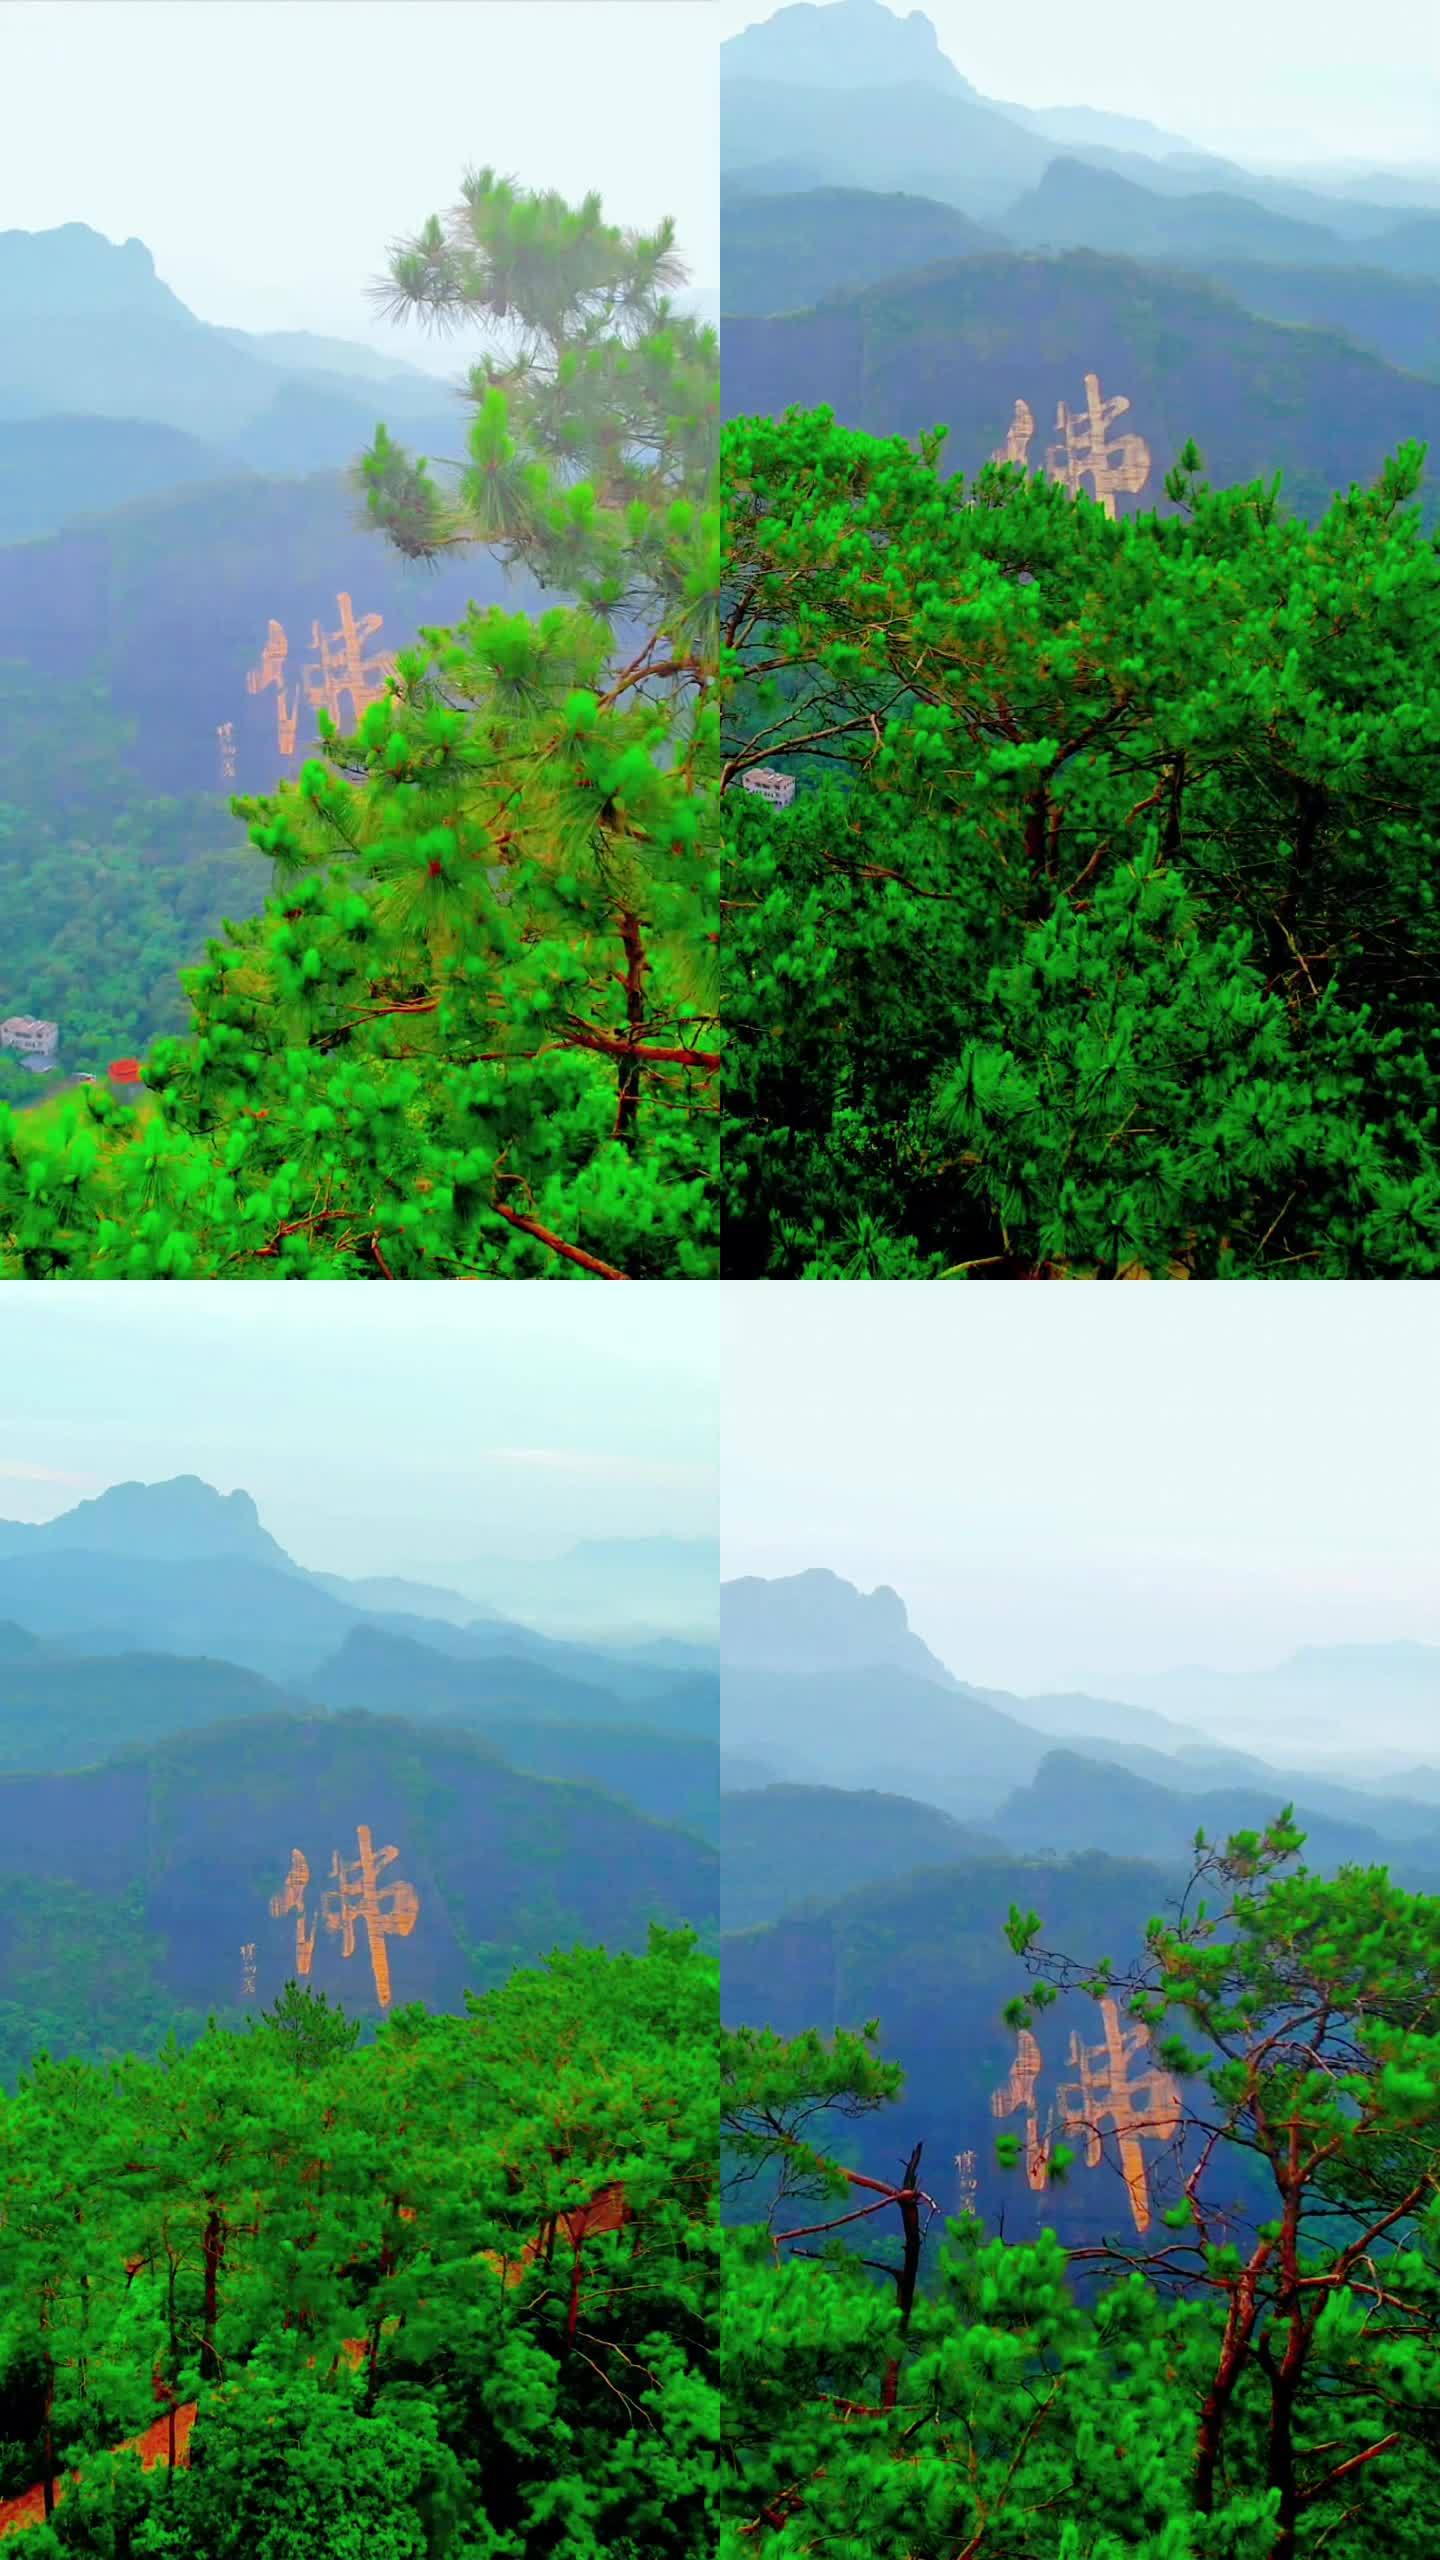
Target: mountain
[926,1955]
[92,331]
[739,1770]
[672,1777]
[785,1846]
[833,95]
[1074,1803]
[165,606]
[1393,1809]
[639,1676]
[1316,1704]
[176,1521]
[1075,205]
[266,1617]
[303,351]
[861,47]
[879,1727]
[902,134]
[177,1853]
[803,1621]
[961,344]
[55,469]
[391,1591]
[375,1668]
[1100,1719]
[847,44]
[1397,317]
[61,1709]
[806,1622]
[784,252]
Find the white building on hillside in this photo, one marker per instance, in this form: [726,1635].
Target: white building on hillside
[777,788]
[29,1037]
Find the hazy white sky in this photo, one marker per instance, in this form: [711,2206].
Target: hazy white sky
[395,1430]
[1289,79]
[266,151]
[1071,1483]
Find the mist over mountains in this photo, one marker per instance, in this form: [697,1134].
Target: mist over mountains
[880,1816]
[910,252]
[183,1705]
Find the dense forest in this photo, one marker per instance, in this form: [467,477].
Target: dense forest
[107,891]
[1257,2380]
[444,2294]
[1100,938]
[472,1031]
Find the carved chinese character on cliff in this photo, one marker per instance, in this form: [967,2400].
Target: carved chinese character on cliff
[225,734]
[356,1894]
[1107,2095]
[343,667]
[247,1970]
[1018,439]
[271,671]
[1087,451]
[340,671]
[291,1897]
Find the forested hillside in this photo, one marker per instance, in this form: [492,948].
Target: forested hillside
[446,2291]
[1100,938]
[1240,2355]
[470,1034]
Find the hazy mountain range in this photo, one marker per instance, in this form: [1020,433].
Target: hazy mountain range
[911,253]
[183,1705]
[880,1816]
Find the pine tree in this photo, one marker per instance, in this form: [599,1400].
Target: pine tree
[1101,938]
[472,1034]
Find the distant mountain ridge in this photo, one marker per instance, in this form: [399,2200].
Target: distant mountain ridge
[104,335]
[960,343]
[182,1518]
[179,1568]
[801,1621]
[855,95]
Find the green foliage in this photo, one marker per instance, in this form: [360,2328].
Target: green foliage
[1101,938]
[1255,2383]
[363,2272]
[106,892]
[471,1034]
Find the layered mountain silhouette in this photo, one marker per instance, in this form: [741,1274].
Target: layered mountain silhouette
[64,1709]
[782,1847]
[183,1708]
[1277,321]
[804,1621]
[1075,205]
[1074,1802]
[852,94]
[785,252]
[179,1568]
[1312,1705]
[181,1520]
[92,330]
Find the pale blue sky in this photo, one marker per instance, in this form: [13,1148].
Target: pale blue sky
[266,150]
[395,1430]
[1073,1483]
[1292,80]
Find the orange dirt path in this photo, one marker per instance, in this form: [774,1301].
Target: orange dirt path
[153,2447]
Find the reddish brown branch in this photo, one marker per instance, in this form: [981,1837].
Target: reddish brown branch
[557,1244]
